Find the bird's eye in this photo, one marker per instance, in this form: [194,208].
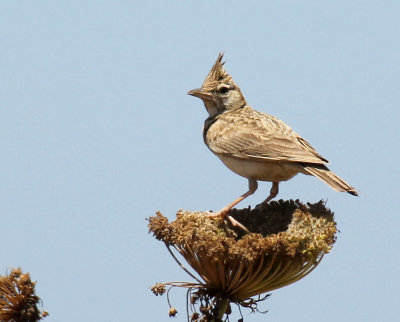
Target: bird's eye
[224,90]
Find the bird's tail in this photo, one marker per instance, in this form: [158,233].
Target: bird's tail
[323,173]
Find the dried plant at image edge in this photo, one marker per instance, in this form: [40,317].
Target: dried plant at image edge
[18,302]
[287,240]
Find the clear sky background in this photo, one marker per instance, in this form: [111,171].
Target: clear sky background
[97,133]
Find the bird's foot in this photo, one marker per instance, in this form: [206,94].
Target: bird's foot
[265,202]
[223,214]
[219,214]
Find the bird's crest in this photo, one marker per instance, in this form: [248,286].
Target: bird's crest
[216,75]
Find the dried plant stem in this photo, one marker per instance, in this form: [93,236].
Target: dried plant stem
[220,308]
[180,264]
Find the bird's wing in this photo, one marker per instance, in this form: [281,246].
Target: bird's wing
[249,134]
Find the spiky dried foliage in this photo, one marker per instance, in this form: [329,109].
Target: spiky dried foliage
[18,301]
[287,241]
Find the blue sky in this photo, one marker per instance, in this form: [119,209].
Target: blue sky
[97,133]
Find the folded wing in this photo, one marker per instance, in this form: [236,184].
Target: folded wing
[259,136]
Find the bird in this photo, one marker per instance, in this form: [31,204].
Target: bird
[255,145]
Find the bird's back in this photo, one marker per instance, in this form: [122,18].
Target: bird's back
[249,134]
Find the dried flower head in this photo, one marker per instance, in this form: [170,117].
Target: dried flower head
[172,311]
[287,241]
[158,289]
[18,301]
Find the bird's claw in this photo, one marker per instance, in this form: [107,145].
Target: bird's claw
[223,214]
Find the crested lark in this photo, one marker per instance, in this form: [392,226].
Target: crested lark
[255,145]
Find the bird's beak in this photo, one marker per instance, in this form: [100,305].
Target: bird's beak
[198,92]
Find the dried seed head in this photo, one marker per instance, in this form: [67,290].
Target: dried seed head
[287,242]
[172,312]
[195,317]
[18,301]
[158,289]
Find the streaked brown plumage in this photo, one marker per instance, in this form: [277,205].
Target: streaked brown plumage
[256,145]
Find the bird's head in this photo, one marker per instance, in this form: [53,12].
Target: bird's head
[219,92]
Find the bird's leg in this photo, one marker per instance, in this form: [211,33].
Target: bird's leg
[273,192]
[253,185]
